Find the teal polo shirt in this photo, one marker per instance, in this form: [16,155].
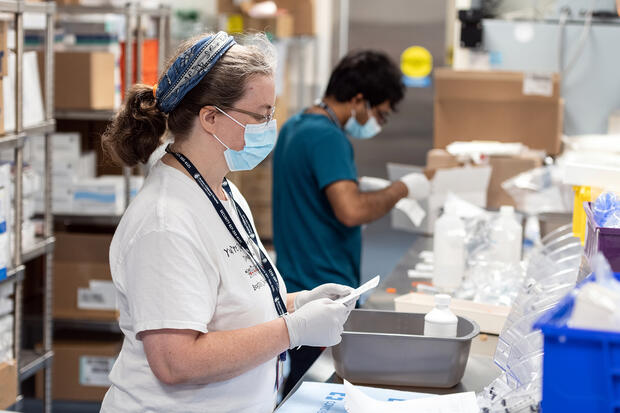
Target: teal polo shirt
[312,246]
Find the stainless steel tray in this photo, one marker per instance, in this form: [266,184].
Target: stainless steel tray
[387,347]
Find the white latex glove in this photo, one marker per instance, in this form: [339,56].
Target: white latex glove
[418,185]
[318,323]
[370,183]
[331,291]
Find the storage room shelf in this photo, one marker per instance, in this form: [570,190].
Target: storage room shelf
[41,247]
[23,7]
[13,140]
[32,361]
[14,275]
[87,325]
[104,115]
[144,11]
[97,220]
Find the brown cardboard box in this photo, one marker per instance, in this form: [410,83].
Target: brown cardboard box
[84,80]
[303,15]
[229,6]
[280,26]
[4,50]
[78,260]
[302,12]
[81,369]
[504,168]
[8,384]
[492,106]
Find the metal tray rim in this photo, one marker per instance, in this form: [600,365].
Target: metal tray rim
[475,332]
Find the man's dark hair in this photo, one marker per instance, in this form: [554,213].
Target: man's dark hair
[371,73]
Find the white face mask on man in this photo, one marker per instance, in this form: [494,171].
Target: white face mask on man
[368,130]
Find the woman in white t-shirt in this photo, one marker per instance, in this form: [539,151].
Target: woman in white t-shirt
[205,314]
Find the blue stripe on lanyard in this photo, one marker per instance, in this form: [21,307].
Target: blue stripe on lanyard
[265,267]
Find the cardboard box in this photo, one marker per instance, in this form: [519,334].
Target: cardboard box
[104,195]
[503,168]
[468,183]
[33,107]
[84,80]
[4,50]
[301,11]
[280,26]
[81,369]
[79,260]
[8,384]
[303,15]
[230,6]
[492,106]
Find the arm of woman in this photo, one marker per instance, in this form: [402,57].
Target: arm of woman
[188,356]
[290,301]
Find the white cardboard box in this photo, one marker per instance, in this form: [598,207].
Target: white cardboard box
[104,195]
[490,318]
[468,183]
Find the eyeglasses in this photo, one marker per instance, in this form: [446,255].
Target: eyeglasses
[260,118]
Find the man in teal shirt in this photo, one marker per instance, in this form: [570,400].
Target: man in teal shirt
[318,208]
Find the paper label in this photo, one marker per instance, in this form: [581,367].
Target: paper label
[94,371]
[99,296]
[538,84]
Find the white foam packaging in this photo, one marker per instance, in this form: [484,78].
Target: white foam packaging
[468,183]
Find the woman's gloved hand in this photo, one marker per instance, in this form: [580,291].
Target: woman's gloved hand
[330,290]
[318,323]
[418,185]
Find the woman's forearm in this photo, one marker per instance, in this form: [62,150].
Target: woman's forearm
[178,358]
[290,301]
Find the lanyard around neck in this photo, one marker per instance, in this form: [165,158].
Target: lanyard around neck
[264,267]
[330,113]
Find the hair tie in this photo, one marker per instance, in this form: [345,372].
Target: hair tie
[154,88]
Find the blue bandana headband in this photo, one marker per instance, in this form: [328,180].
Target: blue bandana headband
[189,69]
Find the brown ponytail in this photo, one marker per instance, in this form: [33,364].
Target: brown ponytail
[137,129]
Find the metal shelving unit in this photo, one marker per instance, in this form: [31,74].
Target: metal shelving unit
[132,13]
[29,362]
[13,275]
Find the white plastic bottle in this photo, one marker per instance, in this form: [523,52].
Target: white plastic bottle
[506,237]
[449,251]
[440,321]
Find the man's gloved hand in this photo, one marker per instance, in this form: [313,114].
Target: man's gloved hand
[331,291]
[318,323]
[370,183]
[418,185]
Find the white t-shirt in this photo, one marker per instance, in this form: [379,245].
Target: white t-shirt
[175,265]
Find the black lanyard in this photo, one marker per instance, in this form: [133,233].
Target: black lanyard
[330,113]
[264,267]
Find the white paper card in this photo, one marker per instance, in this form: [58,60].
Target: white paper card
[538,84]
[357,401]
[355,294]
[94,371]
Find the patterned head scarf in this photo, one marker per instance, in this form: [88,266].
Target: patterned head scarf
[189,69]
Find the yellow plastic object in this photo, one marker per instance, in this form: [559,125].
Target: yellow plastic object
[582,194]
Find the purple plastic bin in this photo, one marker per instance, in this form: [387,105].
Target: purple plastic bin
[605,240]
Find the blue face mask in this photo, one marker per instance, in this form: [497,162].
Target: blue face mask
[368,130]
[260,138]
